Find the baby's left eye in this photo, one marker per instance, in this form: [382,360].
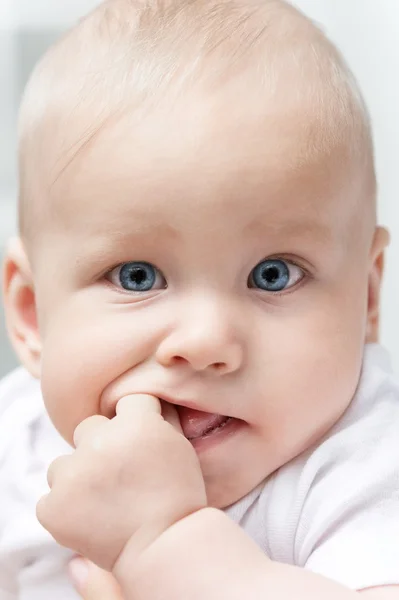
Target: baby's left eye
[275,275]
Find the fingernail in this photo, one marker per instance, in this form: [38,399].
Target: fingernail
[79,571]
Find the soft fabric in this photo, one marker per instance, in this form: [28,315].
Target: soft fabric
[333,510]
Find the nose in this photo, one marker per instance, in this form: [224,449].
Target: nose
[204,337]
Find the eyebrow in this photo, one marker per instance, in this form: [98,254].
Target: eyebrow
[291,229]
[102,242]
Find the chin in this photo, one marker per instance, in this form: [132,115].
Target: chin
[223,494]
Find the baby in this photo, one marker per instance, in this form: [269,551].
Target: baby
[196,286]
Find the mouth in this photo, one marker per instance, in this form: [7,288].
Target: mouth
[197,424]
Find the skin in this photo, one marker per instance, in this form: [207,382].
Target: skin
[205,206]
[101,585]
[205,217]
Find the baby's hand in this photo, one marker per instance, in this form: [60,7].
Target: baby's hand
[129,479]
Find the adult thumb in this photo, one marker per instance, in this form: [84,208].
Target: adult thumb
[92,583]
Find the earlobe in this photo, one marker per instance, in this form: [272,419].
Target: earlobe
[380,243]
[20,307]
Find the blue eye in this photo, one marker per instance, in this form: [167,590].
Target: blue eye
[137,277]
[275,275]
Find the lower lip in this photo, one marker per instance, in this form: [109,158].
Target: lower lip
[217,436]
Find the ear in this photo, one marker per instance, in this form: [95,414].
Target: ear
[20,307]
[380,242]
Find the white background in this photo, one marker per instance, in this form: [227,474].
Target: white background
[367,31]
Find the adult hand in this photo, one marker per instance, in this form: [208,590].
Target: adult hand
[92,583]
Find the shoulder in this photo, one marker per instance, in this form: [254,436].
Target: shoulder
[20,403]
[17,385]
[20,407]
[377,392]
[28,440]
[28,444]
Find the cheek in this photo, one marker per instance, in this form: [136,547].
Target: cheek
[84,350]
[311,362]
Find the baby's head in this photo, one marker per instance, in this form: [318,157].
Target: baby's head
[197,215]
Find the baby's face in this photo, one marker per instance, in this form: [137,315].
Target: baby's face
[199,256]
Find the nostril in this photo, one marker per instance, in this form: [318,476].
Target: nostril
[179,359]
[219,366]
[216,366]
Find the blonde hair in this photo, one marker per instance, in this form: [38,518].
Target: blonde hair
[132,54]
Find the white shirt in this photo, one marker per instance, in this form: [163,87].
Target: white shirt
[333,510]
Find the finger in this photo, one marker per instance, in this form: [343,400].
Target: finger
[102,585]
[138,405]
[88,428]
[45,511]
[93,583]
[171,415]
[56,467]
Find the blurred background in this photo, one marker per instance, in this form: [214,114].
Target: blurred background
[367,32]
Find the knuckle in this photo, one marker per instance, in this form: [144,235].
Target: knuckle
[99,444]
[41,510]
[57,464]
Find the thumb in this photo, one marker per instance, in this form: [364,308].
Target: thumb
[171,415]
[92,583]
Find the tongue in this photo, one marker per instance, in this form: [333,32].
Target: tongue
[196,423]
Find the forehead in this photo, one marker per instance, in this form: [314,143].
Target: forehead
[230,156]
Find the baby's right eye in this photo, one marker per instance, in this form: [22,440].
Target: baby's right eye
[137,277]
